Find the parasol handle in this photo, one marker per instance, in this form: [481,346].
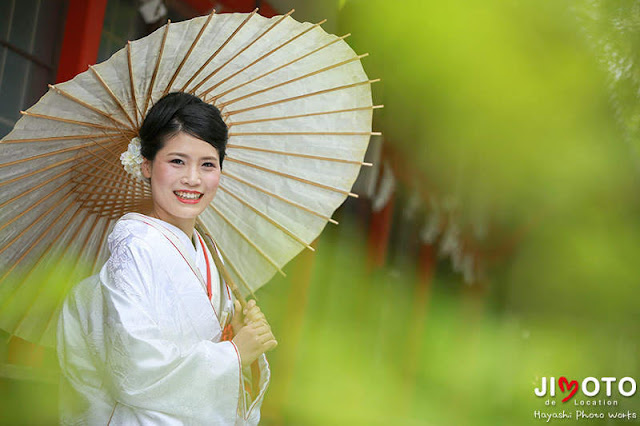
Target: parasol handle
[225,274]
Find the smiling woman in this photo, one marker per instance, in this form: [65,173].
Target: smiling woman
[184,178]
[149,340]
[182,157]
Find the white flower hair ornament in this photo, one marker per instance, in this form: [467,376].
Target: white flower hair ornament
[131,159]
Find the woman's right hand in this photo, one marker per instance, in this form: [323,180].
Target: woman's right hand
[254,339]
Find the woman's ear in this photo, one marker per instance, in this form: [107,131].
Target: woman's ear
[146,168]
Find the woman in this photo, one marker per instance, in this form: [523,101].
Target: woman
[144,342]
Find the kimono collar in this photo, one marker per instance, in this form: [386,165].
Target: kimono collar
[193,245]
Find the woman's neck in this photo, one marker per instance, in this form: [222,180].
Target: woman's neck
[185,225]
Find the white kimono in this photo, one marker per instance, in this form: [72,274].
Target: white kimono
[139,344]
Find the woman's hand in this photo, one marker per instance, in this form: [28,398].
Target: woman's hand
[251,313]
[255,337]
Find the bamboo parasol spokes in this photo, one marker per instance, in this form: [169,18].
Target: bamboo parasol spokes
[298,106]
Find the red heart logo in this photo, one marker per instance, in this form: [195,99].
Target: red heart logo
[573,384]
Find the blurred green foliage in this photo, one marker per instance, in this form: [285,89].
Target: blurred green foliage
[373,350]
[505,106]
[500,104]
[511,109]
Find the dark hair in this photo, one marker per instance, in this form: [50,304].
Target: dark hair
[182,112]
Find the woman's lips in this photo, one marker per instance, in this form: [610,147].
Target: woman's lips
[188,197]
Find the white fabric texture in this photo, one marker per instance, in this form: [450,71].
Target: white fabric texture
[139,344]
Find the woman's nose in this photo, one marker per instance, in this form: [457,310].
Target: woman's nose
[192,176]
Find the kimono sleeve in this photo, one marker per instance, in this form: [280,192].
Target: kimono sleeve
[256,378]
[146,370]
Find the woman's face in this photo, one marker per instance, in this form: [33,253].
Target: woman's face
[184,179]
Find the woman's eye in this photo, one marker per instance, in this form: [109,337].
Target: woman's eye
[209,165]
[177,161]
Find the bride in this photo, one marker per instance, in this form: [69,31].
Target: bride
[156,337]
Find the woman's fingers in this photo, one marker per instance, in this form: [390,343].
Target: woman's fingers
[254,313]
[270,345]
[250,305]
[256,322]
[238,320]
[261,331]
[265,331]
[260,328]
[265,338]
[254,318]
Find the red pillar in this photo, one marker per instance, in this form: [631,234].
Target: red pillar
[204,6]
[379,231]
[81,37]
[426,264]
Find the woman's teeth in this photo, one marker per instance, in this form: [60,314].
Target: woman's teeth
[188,195]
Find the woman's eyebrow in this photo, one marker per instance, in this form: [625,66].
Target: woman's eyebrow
[180,154]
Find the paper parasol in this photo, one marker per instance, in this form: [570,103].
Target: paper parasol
[298,105]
